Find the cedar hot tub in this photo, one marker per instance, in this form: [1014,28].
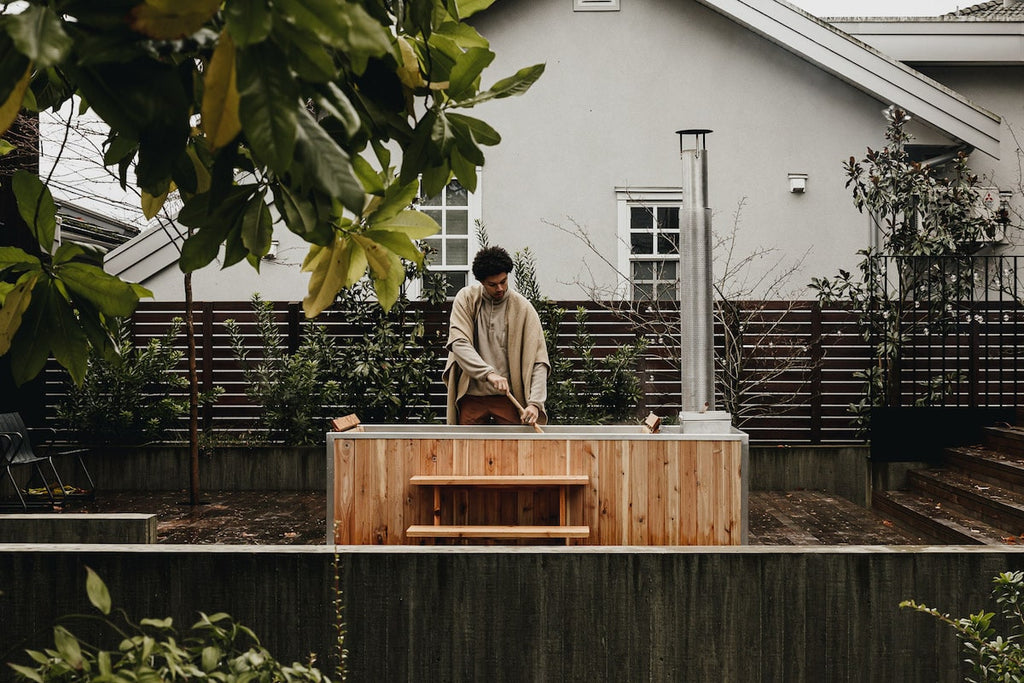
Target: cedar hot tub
[578,485]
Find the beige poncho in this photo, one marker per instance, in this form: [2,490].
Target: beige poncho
[525,345]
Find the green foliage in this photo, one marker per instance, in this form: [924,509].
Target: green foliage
[586,389]
[295,391]
[992,656]
[928,227]
[383,375]
[241,107]
[215,648]
[130,398]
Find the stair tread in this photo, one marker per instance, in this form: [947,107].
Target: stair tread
[953,479]
[950,518]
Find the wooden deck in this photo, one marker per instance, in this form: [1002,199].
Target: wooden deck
[818,518]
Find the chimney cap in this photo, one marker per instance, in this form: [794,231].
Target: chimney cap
[699,134]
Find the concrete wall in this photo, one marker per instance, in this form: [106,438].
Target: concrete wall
[792,614]
[842,470]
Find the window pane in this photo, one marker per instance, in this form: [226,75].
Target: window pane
[430,201]
[641,243]
[458,223]
[456,281]
[643,271]
[458,253]
[456,194]
[435,258]
[642,292]
[668,217]
[667,270]
[667,292]
[436,215]
[668,243]
[640,218]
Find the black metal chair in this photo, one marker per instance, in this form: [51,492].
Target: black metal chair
[23,446]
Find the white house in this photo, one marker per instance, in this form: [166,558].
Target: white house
[788,97]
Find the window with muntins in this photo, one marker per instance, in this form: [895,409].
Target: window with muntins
[455,210]
[649,232]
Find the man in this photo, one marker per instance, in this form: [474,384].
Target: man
[495,349]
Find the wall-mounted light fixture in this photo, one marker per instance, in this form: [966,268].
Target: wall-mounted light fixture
[798,182]
[272,252]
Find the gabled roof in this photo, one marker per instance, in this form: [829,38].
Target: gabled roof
[986,34]
[866,68]
[85,226]
[145,255]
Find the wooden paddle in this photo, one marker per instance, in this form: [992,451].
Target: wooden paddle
[519,406]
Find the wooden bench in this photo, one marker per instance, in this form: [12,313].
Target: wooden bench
[523,481]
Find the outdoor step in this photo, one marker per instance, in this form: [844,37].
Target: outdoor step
[940,522]
[990,503]
[1007,439]
[985,464]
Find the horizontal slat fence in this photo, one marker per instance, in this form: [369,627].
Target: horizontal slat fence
[798,377]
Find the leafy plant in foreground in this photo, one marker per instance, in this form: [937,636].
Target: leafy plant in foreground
[992,656]
[214,648]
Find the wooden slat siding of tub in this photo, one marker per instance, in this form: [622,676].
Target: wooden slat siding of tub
[641,492]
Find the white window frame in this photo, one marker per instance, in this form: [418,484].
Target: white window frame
[595,5]
[627,198]
[474,214]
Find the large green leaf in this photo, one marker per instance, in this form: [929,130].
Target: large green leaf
[343,25]
[441,135]
[465,74]
[97,591]
[248,21]
[36,207]
[48,326]
[516,84]
[11,257]
[15,303]
[397,198]
[468,8]
[327,164]
[414,224]
[38,34]
[220,96]
[311,59]
[397,243]
[111,296]
[299,214]
[268,105]
[481,131]
[333,267]
[257,227]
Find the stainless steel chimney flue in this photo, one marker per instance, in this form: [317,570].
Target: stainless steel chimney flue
[696,302]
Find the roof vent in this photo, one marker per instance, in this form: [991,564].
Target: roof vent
[595,5]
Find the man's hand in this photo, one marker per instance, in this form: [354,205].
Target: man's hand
[498,382]
[530,415]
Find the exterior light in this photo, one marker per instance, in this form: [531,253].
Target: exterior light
[798,183]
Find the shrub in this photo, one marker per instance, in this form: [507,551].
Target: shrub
[133,398]
[583,388]
[991,656]
[296,392]
[215,648]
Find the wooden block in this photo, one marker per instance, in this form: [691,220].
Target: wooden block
[346,423]
[652,424]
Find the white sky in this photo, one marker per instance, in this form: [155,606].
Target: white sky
[881,8]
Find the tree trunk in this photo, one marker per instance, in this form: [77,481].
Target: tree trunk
[193,396]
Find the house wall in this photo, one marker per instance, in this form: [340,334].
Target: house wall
[616,88]
[603,116]
[999,89]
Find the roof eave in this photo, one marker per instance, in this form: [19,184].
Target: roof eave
[866,69]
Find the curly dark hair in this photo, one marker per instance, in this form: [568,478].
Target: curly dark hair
[491,261]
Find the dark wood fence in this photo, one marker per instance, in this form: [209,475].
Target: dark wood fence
[796,367]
